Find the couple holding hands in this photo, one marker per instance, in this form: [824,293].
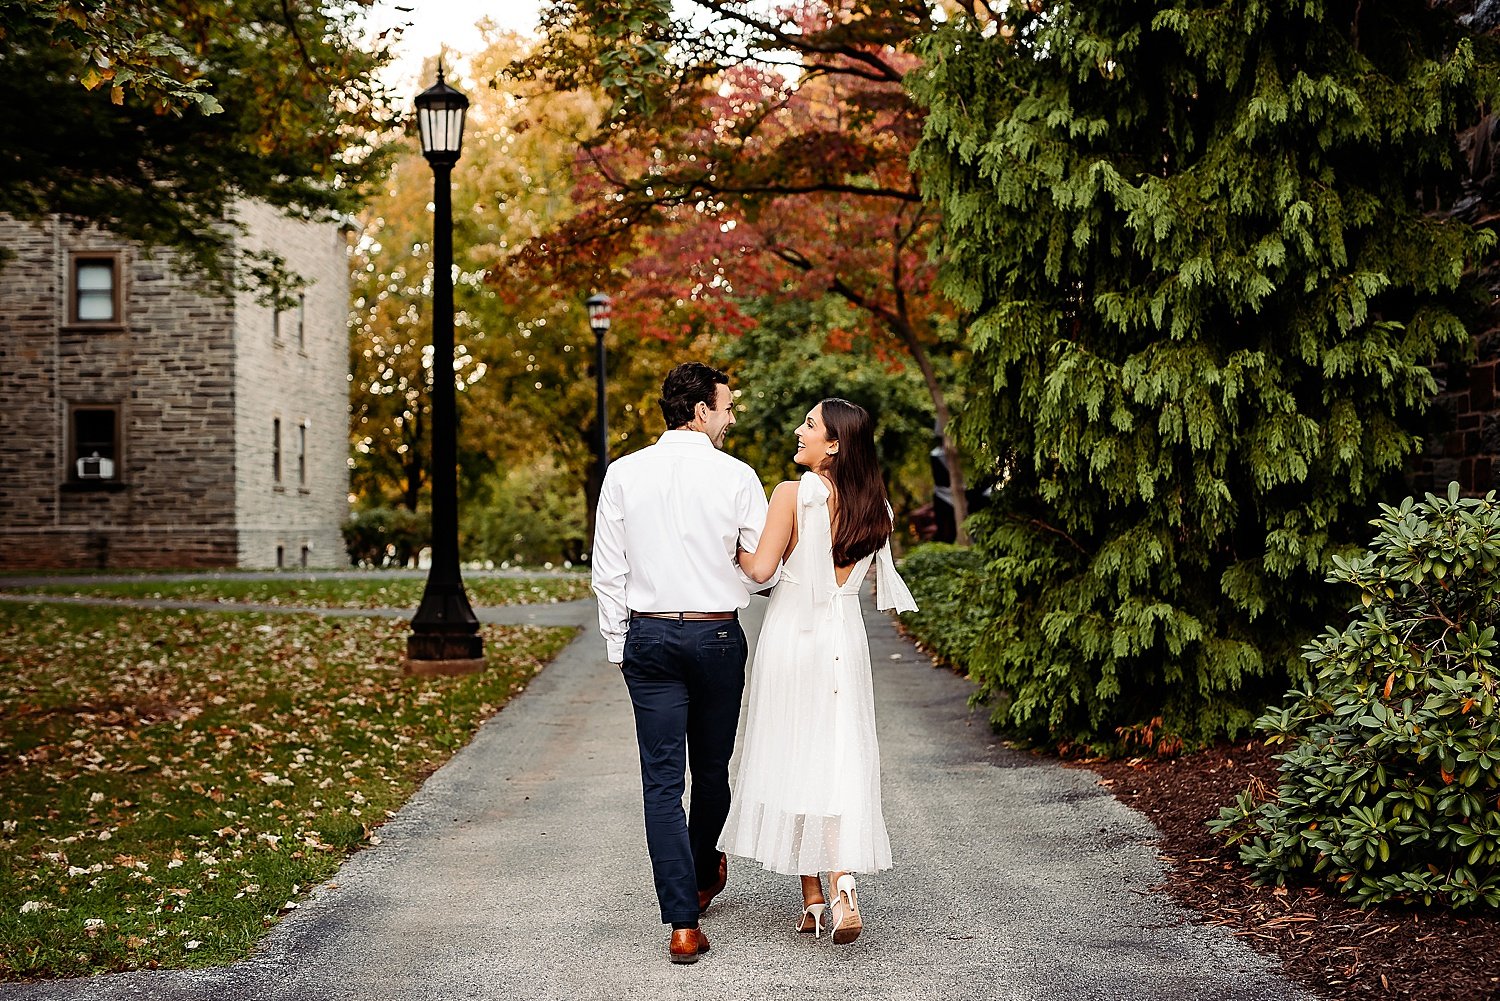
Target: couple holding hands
[683,536]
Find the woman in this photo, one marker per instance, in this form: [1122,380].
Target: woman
[807,800]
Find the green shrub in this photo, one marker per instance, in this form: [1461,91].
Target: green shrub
[947,581]
[528,515]
[386,536]
[1388,785]
[1204,291]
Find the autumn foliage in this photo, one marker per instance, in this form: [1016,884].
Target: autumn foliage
[747,155]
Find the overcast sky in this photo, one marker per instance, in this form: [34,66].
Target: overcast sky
[435,23]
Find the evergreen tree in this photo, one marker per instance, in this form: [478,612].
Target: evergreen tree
[1207,283]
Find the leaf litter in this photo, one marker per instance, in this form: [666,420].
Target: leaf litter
[172,780]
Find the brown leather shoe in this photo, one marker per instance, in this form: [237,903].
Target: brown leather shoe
[705,897]
[686,944]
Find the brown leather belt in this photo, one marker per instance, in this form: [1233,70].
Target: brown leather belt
[685,616]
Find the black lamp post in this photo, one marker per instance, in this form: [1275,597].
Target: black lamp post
[598,305]
[445,632]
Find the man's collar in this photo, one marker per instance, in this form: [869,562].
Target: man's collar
[682,436]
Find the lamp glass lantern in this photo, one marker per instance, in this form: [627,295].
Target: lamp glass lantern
[598,306]
[440,120]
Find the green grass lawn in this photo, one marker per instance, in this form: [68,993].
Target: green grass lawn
[348,592]
[172,782]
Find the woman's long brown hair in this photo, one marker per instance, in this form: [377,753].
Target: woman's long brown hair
[864,520]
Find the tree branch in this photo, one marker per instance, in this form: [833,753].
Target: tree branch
[820,187]
[291,26]
[800,43]
[1055,531]
[682,190]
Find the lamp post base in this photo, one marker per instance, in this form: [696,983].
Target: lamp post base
[443,653]
[429,668]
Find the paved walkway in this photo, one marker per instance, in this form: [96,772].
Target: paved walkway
[519,871]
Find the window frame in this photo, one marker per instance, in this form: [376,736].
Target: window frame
[114,259]
[71,477]
[276,457]
[302,455]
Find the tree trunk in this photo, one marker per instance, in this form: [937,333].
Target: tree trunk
[899,323]
[413,469]
[411,494]
[956,483]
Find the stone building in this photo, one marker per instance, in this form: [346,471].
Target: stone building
[1462,436]
[150,421]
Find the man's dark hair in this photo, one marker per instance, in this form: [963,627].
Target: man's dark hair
[684,387]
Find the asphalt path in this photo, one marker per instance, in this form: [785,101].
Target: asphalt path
[519,870]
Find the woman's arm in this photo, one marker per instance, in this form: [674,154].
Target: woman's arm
[780,520]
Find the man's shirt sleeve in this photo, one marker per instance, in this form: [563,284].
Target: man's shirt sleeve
[611,568]
[753,510]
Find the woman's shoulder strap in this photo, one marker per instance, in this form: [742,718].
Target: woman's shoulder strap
[812,490]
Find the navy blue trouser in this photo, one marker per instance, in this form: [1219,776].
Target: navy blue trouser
[685,679]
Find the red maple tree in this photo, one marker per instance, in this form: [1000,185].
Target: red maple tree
[750,154]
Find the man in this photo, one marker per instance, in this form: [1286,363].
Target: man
[670,519]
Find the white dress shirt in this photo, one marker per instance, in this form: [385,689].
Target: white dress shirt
[670,519]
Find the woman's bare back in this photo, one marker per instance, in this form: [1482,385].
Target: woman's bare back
[840,574]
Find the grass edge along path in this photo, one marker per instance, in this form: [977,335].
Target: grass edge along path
[347,592]
[172,782]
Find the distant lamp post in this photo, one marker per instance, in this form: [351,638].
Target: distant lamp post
[445,632]
[598,305]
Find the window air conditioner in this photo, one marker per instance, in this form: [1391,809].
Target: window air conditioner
[95,467]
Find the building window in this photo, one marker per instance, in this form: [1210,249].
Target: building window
[306,552]
[302,322]
[95,294]
[94,443]
[280,557]
[276,449]
[302,454]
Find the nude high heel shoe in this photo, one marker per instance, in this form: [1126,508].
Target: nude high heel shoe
[847,923]
[812,920]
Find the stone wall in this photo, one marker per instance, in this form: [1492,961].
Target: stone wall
[1463,442]
[1463,433]
[166,364]
[198,378]
[294,367]
[31,422]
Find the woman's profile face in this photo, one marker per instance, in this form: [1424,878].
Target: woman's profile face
[813,444]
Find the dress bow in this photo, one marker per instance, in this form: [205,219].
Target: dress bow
[812,492]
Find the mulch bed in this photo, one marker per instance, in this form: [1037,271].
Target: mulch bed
[1334,948]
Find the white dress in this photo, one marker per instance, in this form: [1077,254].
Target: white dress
[807,798]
